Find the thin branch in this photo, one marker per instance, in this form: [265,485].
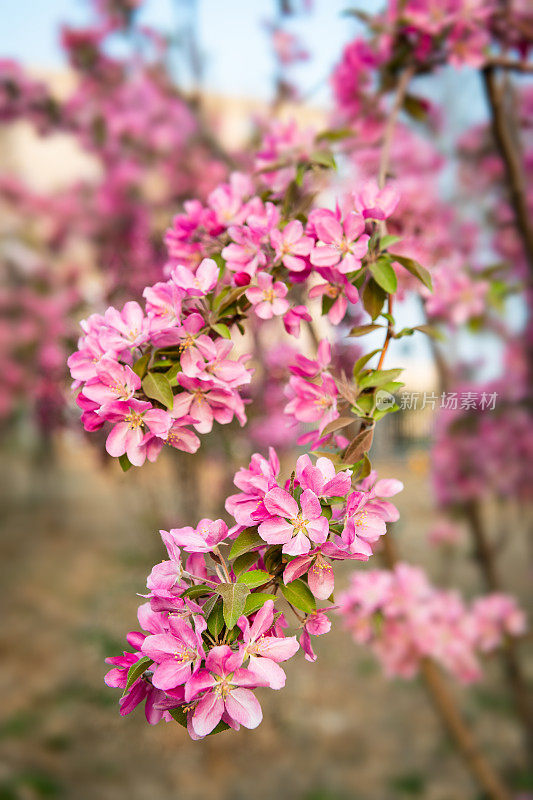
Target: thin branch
[460,733]
[401,91]
[510,64]
[388,336]
[445,705]
[518,685]
[512,159]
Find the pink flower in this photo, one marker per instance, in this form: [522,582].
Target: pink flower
[322,478]
[196,284]
[291,526]
[339,290]
[340,245]
[290,245]
[375,203]
[163,305]
[319,573]
[126,328]
[206,402]
[179,436]
[128,436]
[361,526]
[293,318]
[84,361]
[203,539]
[178,653]
[266,652]
[316,624]
[268,297]
[113,381]
[140,690]
[254,483]
[245,253]
[225,693]
[313,402]
[207,360]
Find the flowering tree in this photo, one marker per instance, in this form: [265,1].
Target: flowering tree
[264,245]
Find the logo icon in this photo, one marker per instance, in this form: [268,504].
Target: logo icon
[384,400]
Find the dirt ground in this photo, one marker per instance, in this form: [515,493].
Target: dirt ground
[76,544]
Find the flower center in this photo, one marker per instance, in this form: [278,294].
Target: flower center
[134,419]
[299,523]
[268,295]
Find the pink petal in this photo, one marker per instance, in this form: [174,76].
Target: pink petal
[208,713]
[268,672]
[275,530]
[243,706]
[310,505]
[280,503]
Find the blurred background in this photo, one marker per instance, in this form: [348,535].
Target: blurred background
[104,133]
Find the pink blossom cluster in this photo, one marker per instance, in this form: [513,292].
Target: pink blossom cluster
[478,451]
[403,618]
[35,324]
[212,632]
[255,241]
[167,352]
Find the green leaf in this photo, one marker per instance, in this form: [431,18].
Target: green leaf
[233,601]
[365,403]
[360,363]
[299,594]
[384,275]
[429,330]
[231,297]
[379,377]
[362,330]
[197,591]
[222,330]
[373,298]
[141,365]
[387,240]
[245,541]
[242,563]
[324,159]
[157,386]
[335,135]
[172,373]
[136,670]
[415,107]
[124,462]
[215,620]
[181,718]
[415,269]
[337,425]
[256,601]
[255,578]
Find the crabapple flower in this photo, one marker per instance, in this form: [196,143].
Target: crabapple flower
[199,283]
[224,688]
[340,244]
[178,653]
[375,203]
[292,525]
[361,527]
[292,246]
[128,434]
[268,297]
[113,381]
[204,539]
[313,402]
[266,652]
[316,624]
[292,319]
[322,478]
